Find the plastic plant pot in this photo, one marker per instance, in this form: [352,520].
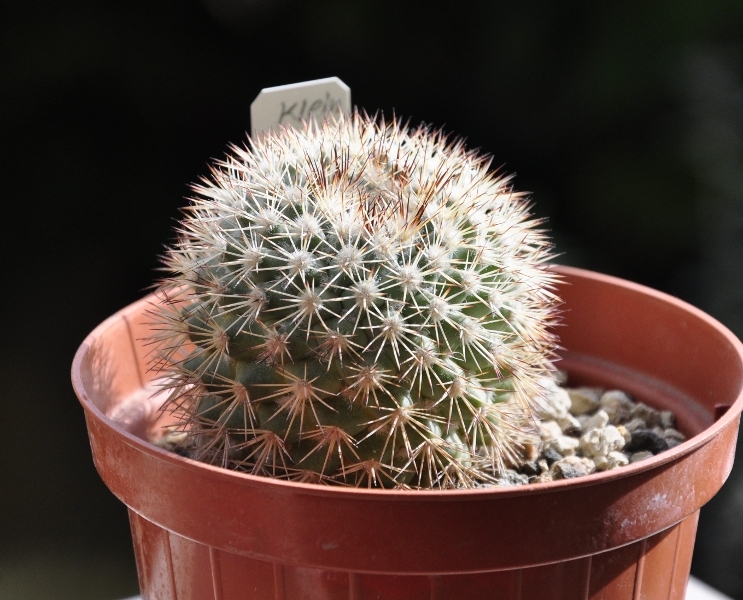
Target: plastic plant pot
[201,532]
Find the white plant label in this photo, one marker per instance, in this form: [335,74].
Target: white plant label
[291,104]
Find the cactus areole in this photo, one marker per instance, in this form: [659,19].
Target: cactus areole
[360,303]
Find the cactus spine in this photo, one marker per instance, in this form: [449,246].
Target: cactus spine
[358,303]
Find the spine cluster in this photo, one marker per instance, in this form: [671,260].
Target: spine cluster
[358,303]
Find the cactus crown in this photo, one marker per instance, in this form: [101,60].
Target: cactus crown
[359,303]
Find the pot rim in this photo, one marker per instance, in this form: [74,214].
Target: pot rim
[249,480]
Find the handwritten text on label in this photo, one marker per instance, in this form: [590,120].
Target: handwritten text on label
[291,104]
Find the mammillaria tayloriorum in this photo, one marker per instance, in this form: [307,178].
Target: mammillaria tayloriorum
[357,302]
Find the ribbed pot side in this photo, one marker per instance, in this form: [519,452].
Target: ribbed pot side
[204,533]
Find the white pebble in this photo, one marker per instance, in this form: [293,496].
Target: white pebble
[667,419]
[569,423]
[549,430]
[583,400]
[635,424]
[555,403]
[626,433]
[673,434]
[563,444]
[601,462]
[617,405]
[673,437]
[638,456]
[600,442]
[646,413]
[571,466]
[613,460]
[597,421]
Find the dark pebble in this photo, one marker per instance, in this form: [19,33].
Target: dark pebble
[573,431]
[551,455]
[646,439]
[567,472]
[531,468]
[510,477]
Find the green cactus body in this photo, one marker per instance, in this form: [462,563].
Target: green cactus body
[357,303]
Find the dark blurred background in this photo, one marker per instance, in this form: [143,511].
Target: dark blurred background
[625,120]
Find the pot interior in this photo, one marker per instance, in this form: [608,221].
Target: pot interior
[613,334]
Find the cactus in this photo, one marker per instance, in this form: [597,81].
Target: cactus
[360,303]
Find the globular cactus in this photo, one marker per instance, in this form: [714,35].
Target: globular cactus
[359,303]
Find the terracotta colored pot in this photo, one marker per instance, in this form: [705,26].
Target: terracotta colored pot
[204,533]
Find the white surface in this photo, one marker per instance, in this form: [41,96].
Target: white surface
[696,591]
[699,590]
[297,102]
